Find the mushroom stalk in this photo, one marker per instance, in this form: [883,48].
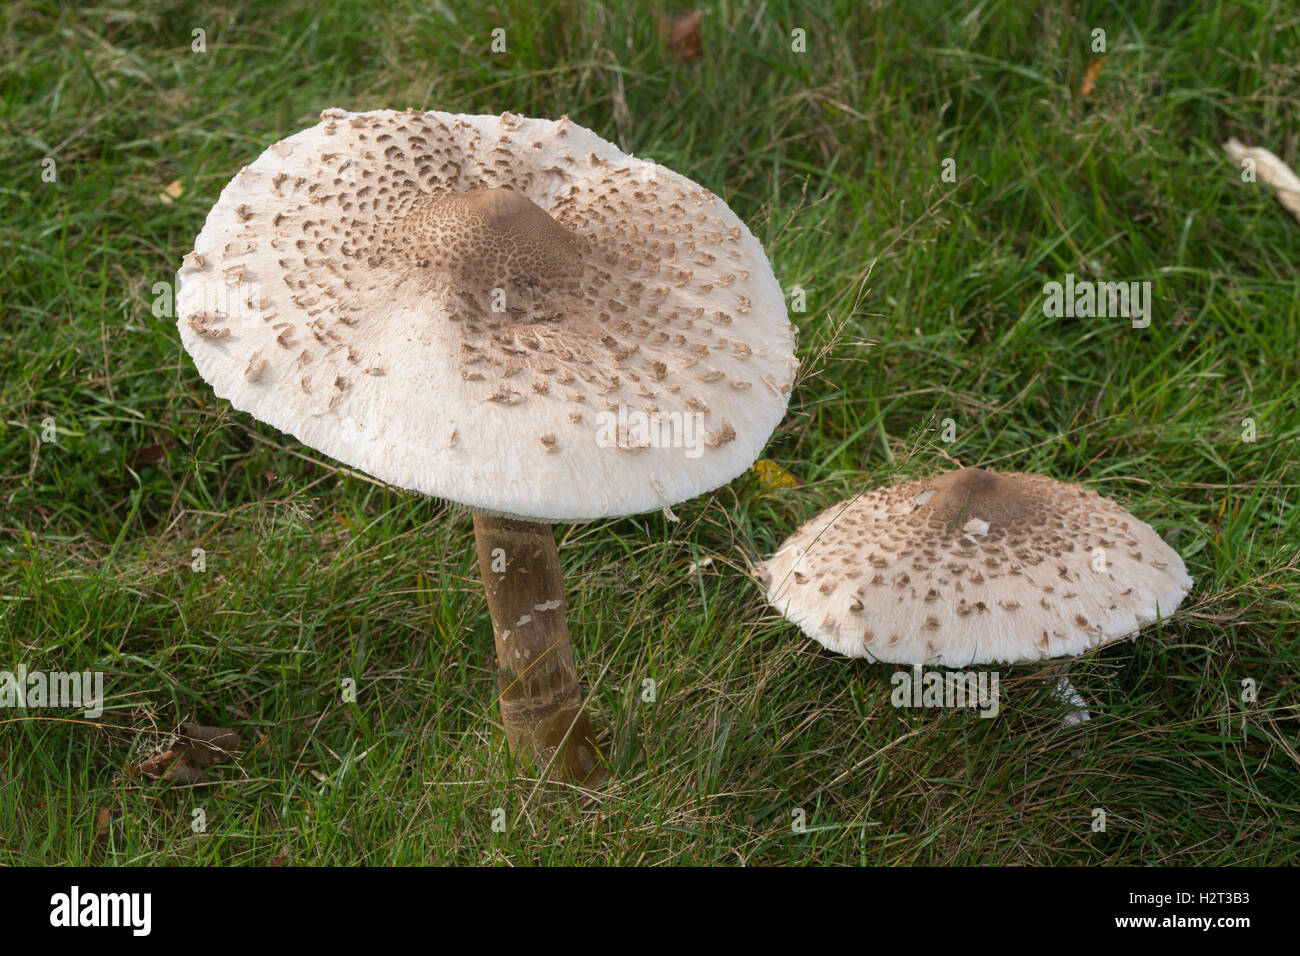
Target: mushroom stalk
[541,701]
[1064,693]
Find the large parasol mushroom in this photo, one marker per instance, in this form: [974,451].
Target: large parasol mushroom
[507,313]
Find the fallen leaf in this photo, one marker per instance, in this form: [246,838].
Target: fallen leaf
[173,191]
[105,831]
[154,766]
[148,455]
[1270,171]
[282,859]
[201,747]
[192,750]
[1090,77]
[771,475]
[682,31]
[186,775]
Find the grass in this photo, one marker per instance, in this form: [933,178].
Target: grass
[924,303]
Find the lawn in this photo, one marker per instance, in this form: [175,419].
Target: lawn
[731,738]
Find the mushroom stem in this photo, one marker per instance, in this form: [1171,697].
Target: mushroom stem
[1064,693]
[541,702]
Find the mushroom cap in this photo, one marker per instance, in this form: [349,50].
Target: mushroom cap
[974,567]
[504,312]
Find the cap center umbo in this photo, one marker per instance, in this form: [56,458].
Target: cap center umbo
[497,246]
[975,493]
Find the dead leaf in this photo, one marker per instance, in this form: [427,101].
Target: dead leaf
[192,750]
[148,455]
[771,475]
[105,831]
[282,859]
[682,32]
[154,766]
[173,191]
[186,775]
[1090,77]
[202,747]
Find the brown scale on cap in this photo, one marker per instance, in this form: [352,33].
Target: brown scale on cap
[975,493]
[978,558]
[486,239]
[528,261]
[976,518]
[415,196]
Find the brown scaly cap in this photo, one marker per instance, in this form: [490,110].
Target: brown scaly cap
[974,566]
[509,313]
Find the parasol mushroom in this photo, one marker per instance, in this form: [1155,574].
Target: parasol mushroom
[507,313]
[974,567]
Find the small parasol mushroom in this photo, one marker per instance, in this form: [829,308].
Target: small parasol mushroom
[974,567]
